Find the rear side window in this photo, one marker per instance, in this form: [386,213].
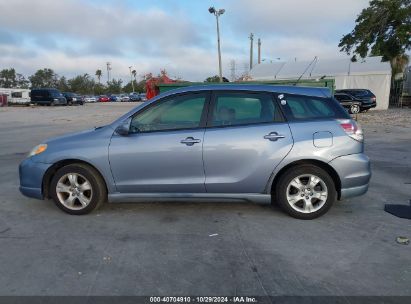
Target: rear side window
[39,93]
[341,97]
[299,107]
[238,108]
[361,93]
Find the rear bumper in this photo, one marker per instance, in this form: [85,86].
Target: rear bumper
[354,172]
[31,178]
[354,191]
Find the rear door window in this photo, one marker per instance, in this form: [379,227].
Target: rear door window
[243,108]
[299,107]
[341,97]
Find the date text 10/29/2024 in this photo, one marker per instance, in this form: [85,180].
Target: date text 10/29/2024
[204,299]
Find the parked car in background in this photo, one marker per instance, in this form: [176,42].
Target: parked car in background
[114,97]
[90,99]
[143,96]
[124,98]
[103,98]
[50,97]
[293,146]
[353,107]
[362,97]
[73,98]
[134,97]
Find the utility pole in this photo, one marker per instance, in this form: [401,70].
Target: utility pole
[108,71]
[251,50]
[131,78]
[259,50]
[218,13]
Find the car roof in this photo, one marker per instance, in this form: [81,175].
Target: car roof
[310,91]
[45,89]
[352,90]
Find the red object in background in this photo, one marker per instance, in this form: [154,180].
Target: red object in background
[103,99]
[3,100]
[153,82]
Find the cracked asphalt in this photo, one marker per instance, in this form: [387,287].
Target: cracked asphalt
[214,248]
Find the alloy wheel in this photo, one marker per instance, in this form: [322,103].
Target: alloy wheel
[307,193]
[74,191]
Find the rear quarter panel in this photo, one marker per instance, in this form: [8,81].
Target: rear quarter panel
[304,148]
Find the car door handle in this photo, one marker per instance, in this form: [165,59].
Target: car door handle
[273,136]
[189,141]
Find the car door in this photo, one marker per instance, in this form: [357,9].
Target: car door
[163,151]
[245,139]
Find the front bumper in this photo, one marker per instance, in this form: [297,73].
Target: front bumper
[355,173]
[31,178]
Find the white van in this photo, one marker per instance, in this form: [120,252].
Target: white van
[16,96]
[20,96]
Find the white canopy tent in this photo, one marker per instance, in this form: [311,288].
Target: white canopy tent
[369,73]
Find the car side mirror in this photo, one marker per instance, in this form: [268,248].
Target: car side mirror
[124,128]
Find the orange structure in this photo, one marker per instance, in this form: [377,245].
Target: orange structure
[153,82]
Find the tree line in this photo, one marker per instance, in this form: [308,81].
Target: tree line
[81,84]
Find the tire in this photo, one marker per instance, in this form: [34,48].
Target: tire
[70,103]
[355,109]
[78,201]
[310,203]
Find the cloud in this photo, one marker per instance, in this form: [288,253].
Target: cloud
[80,36]
[302,18]
[114,24]
[7,38]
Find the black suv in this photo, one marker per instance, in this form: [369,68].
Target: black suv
[356,100]
[50,97]
[73,98]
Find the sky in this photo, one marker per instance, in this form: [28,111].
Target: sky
[74,37]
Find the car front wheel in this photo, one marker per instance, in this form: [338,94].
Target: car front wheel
[305,192]
[78,189]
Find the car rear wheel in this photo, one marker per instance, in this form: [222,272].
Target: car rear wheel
[78,189]
[305,192]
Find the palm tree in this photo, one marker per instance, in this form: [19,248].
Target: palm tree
[99,73]
[134,73]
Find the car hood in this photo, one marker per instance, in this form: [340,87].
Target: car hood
[74,136]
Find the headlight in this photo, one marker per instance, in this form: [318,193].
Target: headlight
[37,150]
[55,99]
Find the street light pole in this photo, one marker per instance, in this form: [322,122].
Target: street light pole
[131,78]
[217,14]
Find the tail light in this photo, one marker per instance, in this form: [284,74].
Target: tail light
[373,99]
[352,129]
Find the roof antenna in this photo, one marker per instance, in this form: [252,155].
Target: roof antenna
[305,71]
